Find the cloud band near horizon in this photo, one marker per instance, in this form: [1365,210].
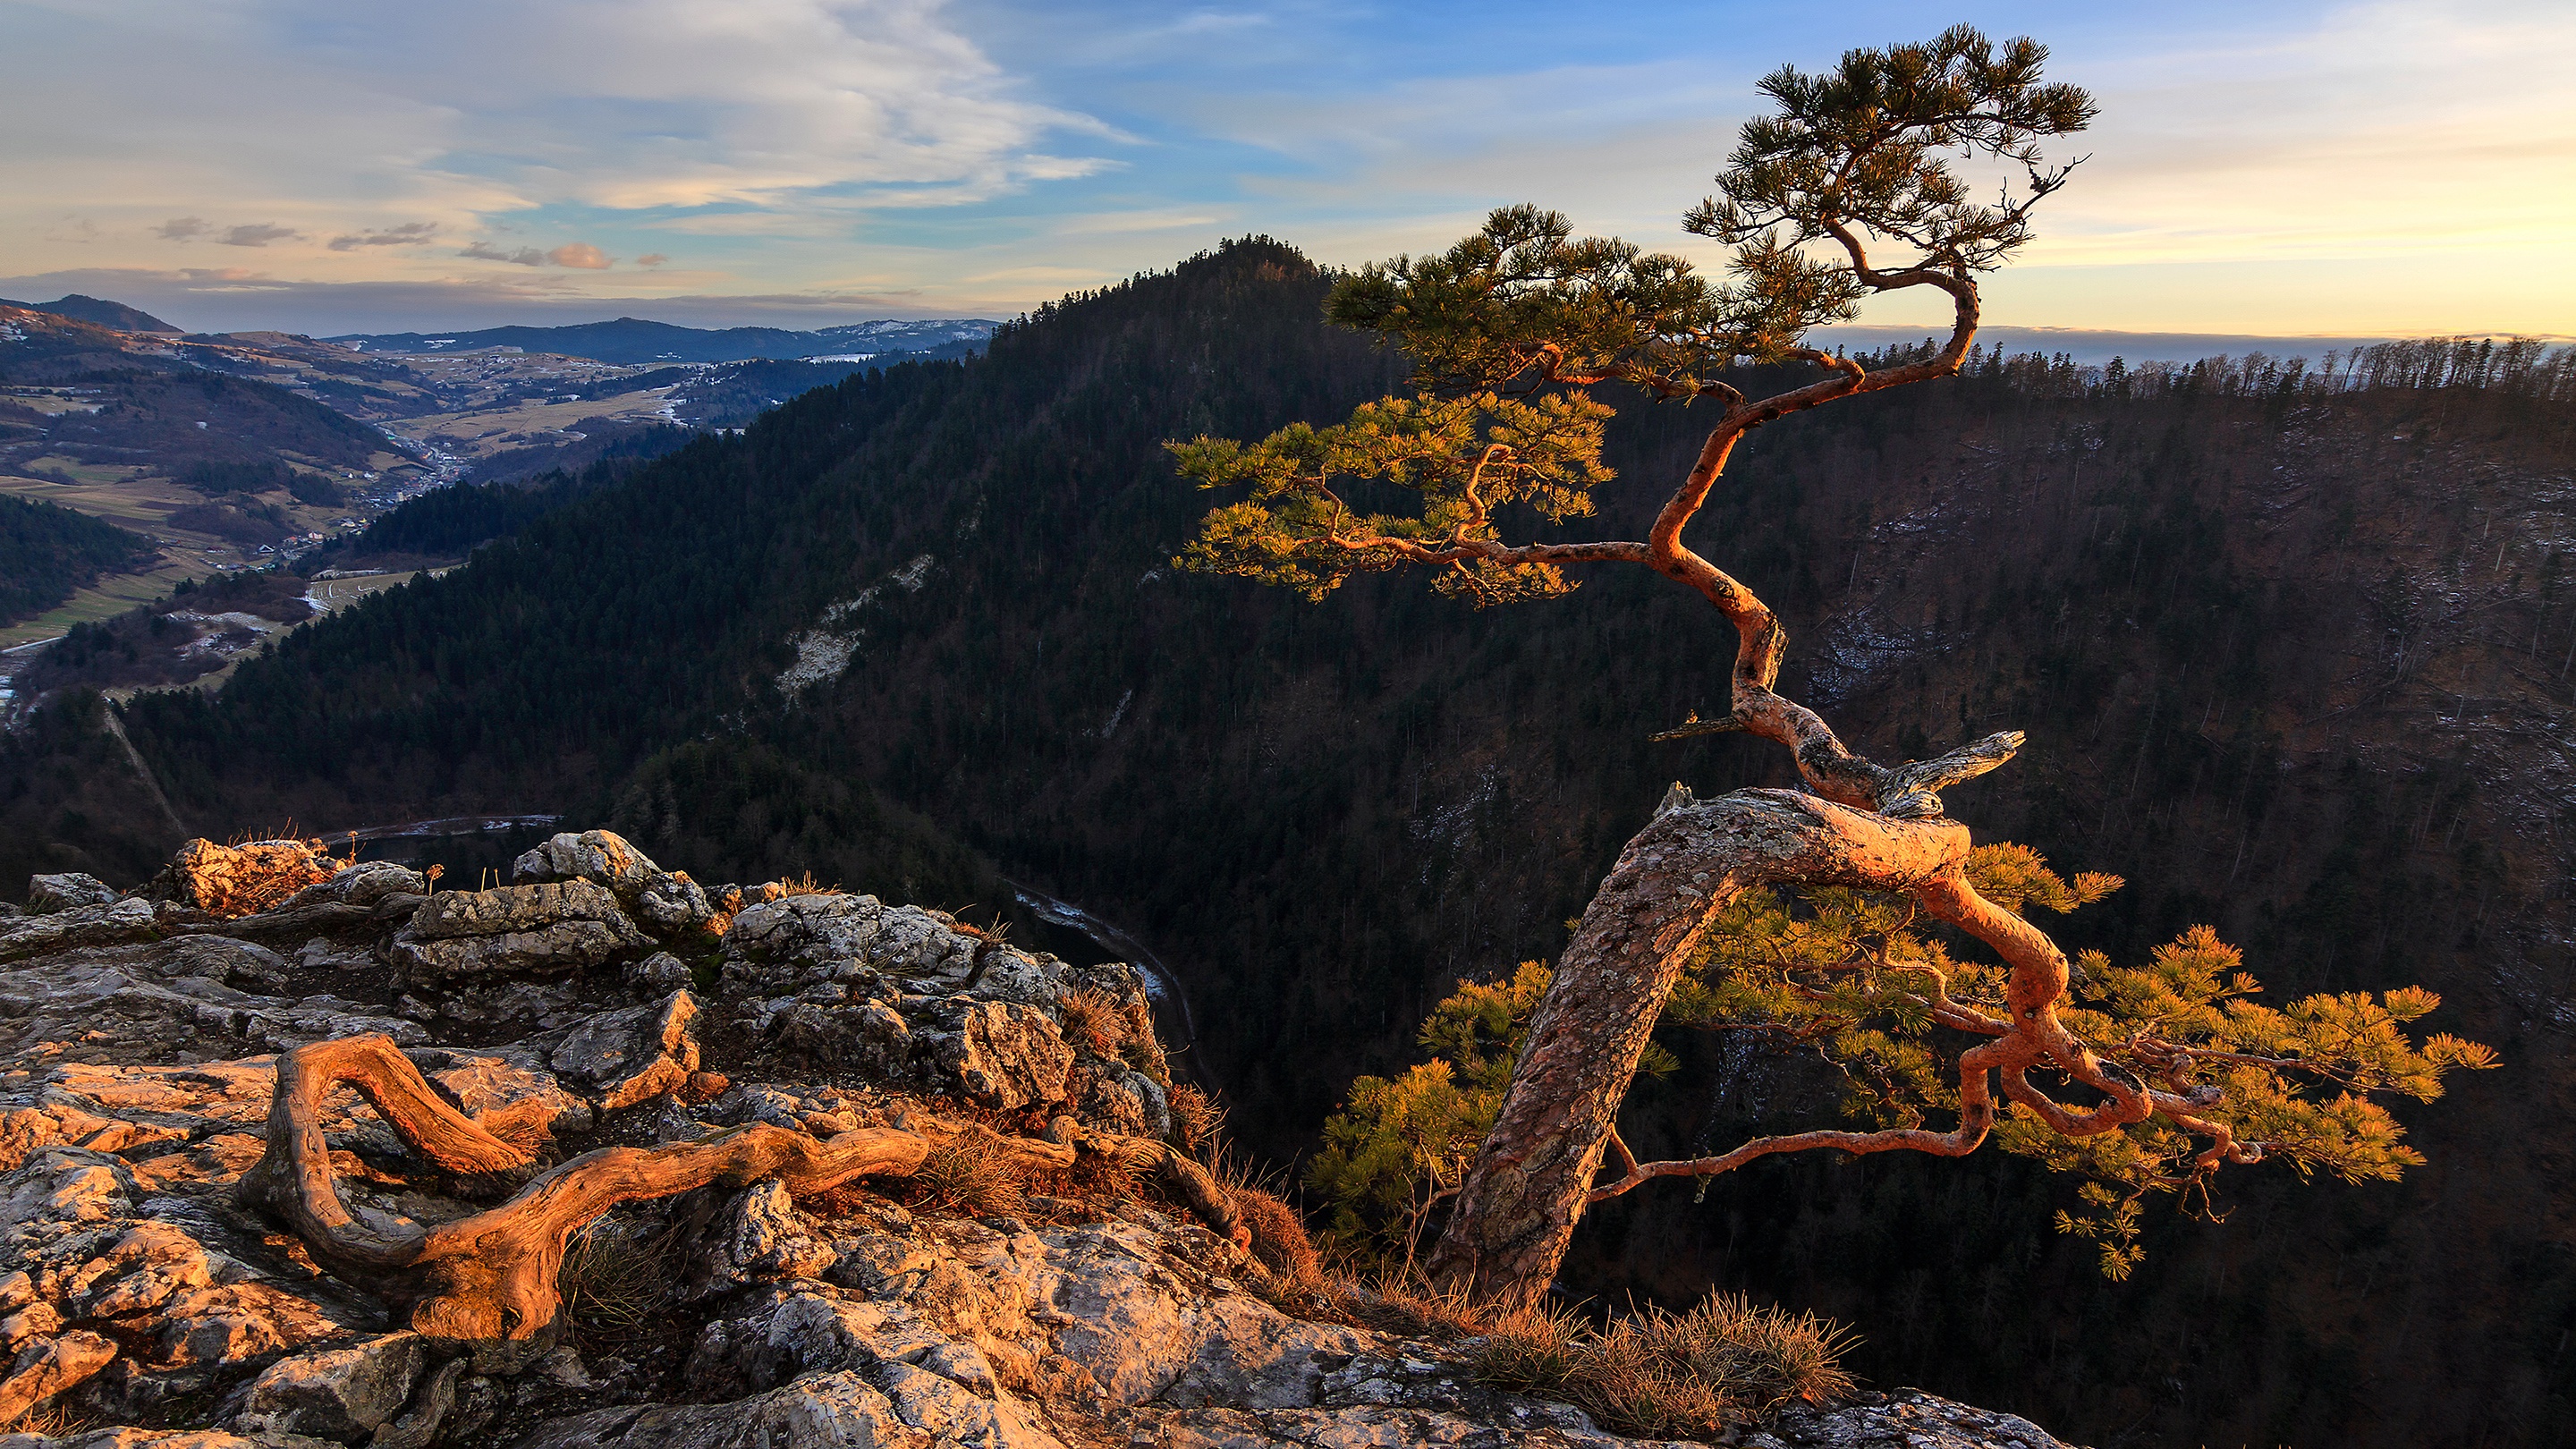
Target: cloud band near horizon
[2314,168]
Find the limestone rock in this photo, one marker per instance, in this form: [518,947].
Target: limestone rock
[133,999]
[121,1437]
[62,892]
[630,1055]
[1116,1097]
[135,1288]
[760,1237]
[1000,1054]
[339,1393]
[363,884]
[667,903]
[47,1367]
[221,958]
[660,971]
[787,945]
[509,1093]
[121,921]
[1380,1427]
[826,1411]
[239,880]
[535,929]
[1905,1419]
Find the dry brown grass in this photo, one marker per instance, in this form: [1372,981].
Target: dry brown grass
[803,885]
[613,1287]
[1665,1374]
[54,1421]
[1401,1301]
[1200,1118]
[1106,1178]
[970,1174]
[1092,1021]
[1279,1237]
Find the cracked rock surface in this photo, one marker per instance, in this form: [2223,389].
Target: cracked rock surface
[601,1001]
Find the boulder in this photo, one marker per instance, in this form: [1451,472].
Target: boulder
[826,1411]
[48,1366]
[574,926]
[760,1237]
[339,1393]
[1113,1096]
[660,971]
[508,1092]
[70,929]
[999,1054]
[801,941]
[619,1058]
[363,884]
[667,903]
[1907,1416]
[240,880]
[64,891]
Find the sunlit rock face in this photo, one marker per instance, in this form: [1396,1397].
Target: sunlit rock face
[600,1002]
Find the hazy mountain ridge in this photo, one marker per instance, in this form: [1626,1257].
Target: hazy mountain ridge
[636,340]
[98,312]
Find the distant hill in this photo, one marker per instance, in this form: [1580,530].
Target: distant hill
[633,340]
[98,312]
[149,405]
[47,552]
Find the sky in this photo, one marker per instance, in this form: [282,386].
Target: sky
[2289,169]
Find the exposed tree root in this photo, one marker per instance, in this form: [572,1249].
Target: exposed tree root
[492,1276]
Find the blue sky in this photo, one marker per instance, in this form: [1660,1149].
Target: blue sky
[2288,169]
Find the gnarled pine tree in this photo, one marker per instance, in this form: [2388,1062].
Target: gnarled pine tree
[1511,330]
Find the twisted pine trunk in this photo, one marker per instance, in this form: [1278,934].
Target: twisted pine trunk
[1517,1208]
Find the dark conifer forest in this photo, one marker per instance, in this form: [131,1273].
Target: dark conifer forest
[2290,640]
[47,552]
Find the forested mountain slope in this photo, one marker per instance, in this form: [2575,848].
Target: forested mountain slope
[2291,659]
[46,552]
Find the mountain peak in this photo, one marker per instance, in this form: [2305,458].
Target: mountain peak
[99,312]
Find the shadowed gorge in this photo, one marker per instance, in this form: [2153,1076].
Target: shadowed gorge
[2290,659]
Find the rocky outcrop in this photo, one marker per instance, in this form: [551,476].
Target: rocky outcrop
[666,903]
[630,1055]
[139,1043]
[515,930]
[239,880]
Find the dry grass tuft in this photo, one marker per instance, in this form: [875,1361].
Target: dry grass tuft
[1398,1302]
[786,888]
[1092,1022]
[55,1420]
[1670,1375]
[1279,1237]
[970,1174]
[1200,1118]
[1106,1178]
[612,1286]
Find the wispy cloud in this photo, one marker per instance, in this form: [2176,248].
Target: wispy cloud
[483,251]
[411,233]
[2322,165]
[257,234]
